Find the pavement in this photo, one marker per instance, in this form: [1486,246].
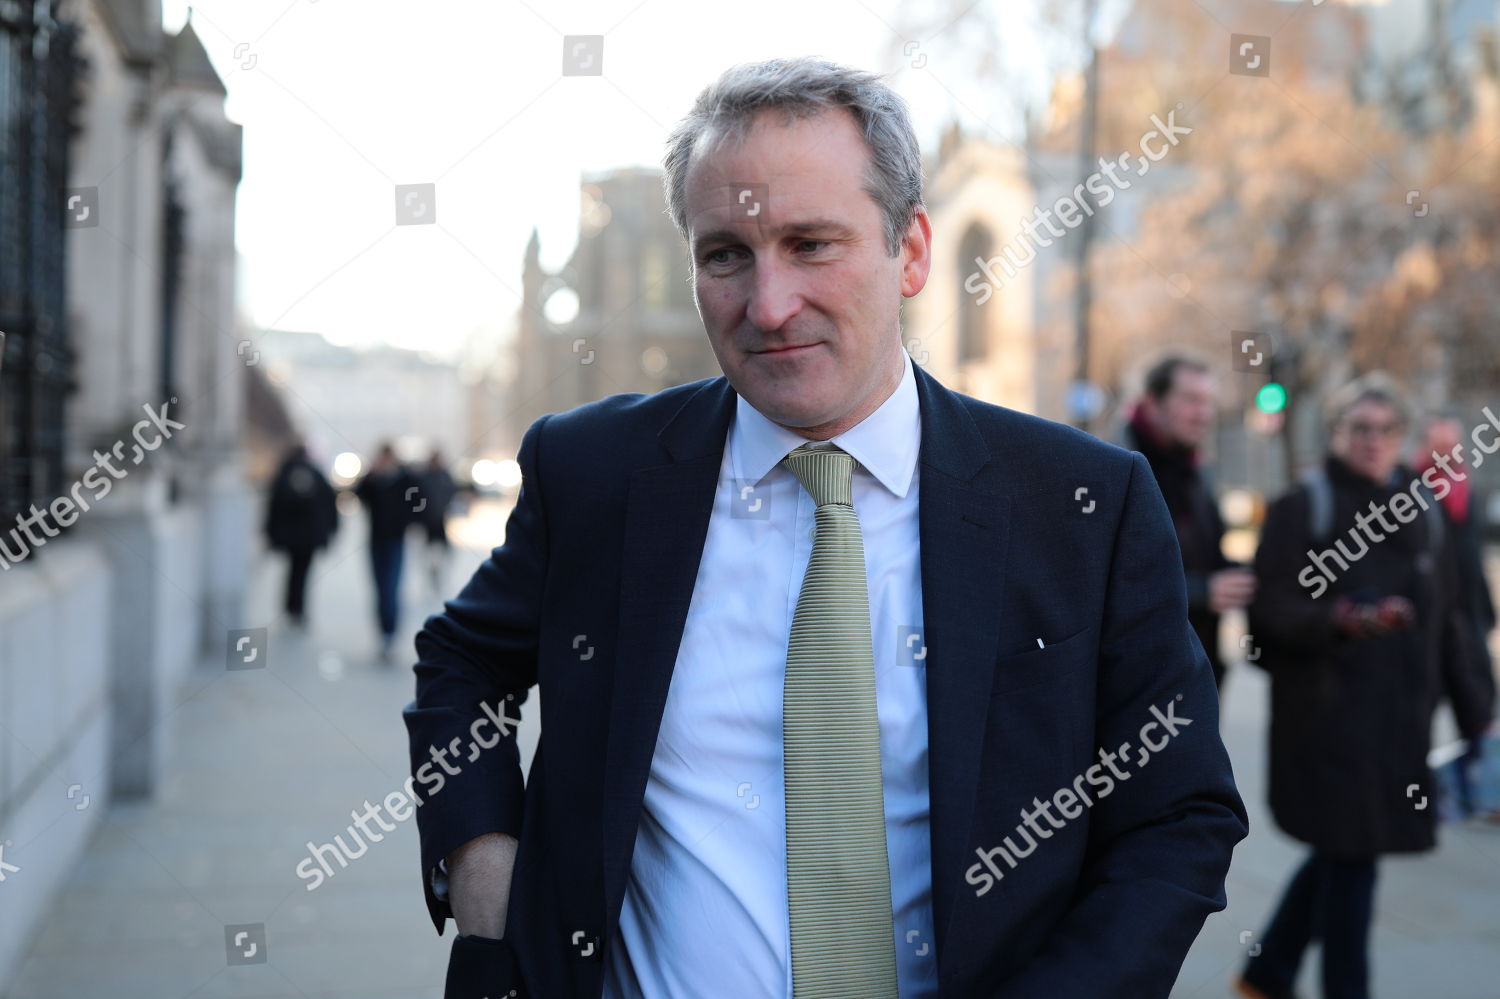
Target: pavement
[195,892]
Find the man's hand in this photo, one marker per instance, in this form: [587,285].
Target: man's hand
[1230,588]
[479,884]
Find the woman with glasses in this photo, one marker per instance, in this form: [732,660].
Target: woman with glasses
[1354,608]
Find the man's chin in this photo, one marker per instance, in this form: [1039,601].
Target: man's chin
[786,408]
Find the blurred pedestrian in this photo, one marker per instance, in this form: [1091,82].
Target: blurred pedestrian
[1464,521]
[1351,620]
[437,492]
[301,517]
[1168,425]
[390,494]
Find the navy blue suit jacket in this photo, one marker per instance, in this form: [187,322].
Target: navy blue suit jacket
[1029,529]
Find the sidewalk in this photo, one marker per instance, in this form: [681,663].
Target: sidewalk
[265,760]
[269,759]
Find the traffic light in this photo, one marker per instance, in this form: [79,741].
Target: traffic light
[1271,397]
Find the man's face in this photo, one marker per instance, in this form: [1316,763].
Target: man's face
[1442,435]
[801,301]
[1368,439]
[1185,415]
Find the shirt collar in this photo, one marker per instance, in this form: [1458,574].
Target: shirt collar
[884,443]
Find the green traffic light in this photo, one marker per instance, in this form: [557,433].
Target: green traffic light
[1271,398]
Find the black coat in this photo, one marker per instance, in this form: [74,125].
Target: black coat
[1475,712]
[301,514]
[437,489]
[1199,528]
[1478,601]
[392,497]
[1351,718]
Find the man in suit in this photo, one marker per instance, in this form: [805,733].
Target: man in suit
[821,643]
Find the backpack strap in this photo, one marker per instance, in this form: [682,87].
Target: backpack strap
[1319,503]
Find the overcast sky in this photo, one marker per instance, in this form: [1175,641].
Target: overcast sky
[343,100]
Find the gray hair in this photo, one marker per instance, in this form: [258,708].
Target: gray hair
[1376,386]
[801,88]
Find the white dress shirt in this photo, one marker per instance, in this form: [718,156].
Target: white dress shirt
[705,908]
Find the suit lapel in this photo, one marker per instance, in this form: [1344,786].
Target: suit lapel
[964,531]
[666,524]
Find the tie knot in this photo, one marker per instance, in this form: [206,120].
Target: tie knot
[827,473]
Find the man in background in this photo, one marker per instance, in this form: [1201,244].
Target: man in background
[1473,671]
[437,490]
[1168,426]
[301,517]
[390,494]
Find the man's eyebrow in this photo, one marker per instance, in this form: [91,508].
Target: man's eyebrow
[716,236]
[820,225]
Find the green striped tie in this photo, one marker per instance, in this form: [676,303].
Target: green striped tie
[838,881]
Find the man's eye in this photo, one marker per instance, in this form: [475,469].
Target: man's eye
[717,256]
[815,243]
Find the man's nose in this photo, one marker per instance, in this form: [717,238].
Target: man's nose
[774,295]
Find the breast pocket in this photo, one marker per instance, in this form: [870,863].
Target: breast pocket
[1052,664]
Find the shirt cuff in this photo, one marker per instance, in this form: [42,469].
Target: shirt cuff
[440,881]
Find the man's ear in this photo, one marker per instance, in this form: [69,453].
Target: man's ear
[916,253]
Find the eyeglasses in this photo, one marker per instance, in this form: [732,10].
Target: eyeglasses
[1374,429]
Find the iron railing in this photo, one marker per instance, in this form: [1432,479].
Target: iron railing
[38,74]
